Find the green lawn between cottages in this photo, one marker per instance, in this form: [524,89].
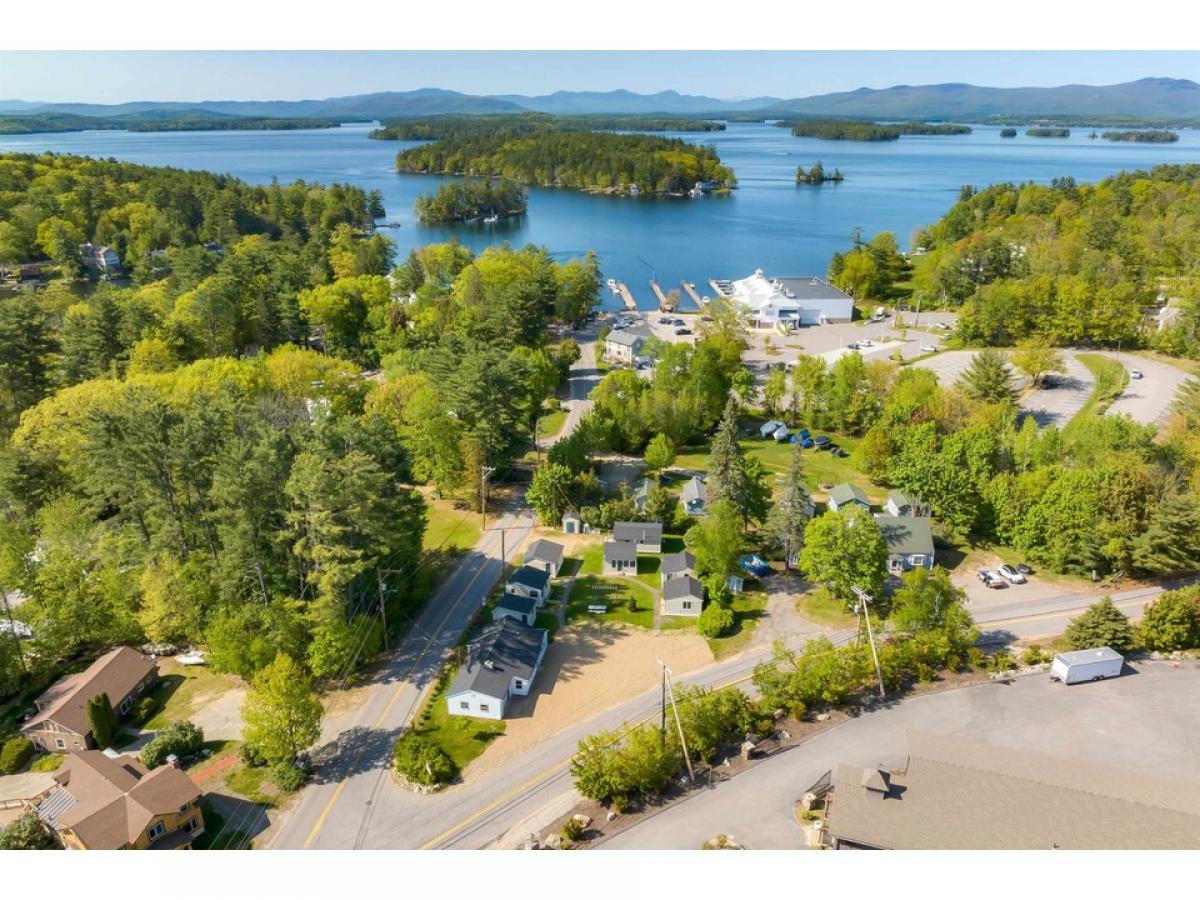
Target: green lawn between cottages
[449,528]
[615,593]
[820,467]
[462,738]
[648,571]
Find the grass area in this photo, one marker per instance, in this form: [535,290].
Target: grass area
[1184,365]
[548,621]
[820,467]
[46,762]
[182,691]
[615,593]
[449,527]
[551,423]
[254,784]
[592,561]
[216,750]
[648,571]
[824,608]
[748,608]
[461,737]
[215,837]
[1111,378]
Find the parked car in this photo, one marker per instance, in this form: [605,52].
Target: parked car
[1135,374]
[1010,574]
[853,345]
[866,343]
[1025,568]
[683,330]
[991,579]
[664,320]
[928,348]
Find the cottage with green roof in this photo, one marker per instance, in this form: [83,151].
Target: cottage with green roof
[846,493]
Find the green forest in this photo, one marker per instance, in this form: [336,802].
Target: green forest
[199,456]
[437,128]
[1142,137]
[590,161]
[1048,132]
[41,123]
[459,201]
[848,130]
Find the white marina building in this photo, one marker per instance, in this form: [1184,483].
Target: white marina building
[787,300]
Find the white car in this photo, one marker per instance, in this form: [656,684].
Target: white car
[866,343]
[1010,574]
[1135,374]
[191,659]
[928,348]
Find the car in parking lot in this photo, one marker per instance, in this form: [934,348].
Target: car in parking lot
[683,329]
[991,579]
[853,345]
[866,343]
[665,320]
[928,348]
[1135,374]
[1010,574]
[1025,568]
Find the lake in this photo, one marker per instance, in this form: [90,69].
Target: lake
[769,222]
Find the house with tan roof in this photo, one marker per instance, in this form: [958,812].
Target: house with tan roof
[61,723]
[102,803]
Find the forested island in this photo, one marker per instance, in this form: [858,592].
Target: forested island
[41,123]
[837,130]
[590,161]
[195,456]
[1142,137]
[1048,132]
[817,174]
[1008,132]
[436,128]
[460,201]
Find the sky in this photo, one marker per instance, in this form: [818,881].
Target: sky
[119,76]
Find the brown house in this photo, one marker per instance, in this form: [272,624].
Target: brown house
[102,803]
[61,724]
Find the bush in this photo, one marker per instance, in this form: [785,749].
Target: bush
[1172,622]
[144,710]
[423,762]
[15,754]
[572,830]
[27,833]
[251,756]
[178,738]
[289,777]
[1035,656]
[1100,625]
[715,621]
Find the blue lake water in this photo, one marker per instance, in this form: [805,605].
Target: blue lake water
[768,222]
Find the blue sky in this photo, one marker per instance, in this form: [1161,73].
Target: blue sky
[117,76]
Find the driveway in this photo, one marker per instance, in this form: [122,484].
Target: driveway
[1146,722]
[1148,399]
[582,378]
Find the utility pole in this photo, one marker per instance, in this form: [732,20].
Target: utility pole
[379,573]
[503,555]
[485,472]
[678,722]
[864,600]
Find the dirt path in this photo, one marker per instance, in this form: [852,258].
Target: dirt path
[588,669]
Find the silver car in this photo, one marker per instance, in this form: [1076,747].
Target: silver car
[1010,574]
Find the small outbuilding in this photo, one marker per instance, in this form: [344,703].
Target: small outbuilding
[547,555]
[846,494]
[694,496]
[572,523]
[682,596]
[523,609]
[900,504]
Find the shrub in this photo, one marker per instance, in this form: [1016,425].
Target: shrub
[144,710]
[178,738]
[1172,622]
[27,833]
[251,756]
[715,621]
[15,754]
[1034,655]
[1100,625]
[974,657]
[288,777]
[102,720]
[572,830]
[423,762]
[619,803]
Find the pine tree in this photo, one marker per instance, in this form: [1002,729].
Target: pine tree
[103,721]
[1100,625]
[789,517]
[988,378]
[727,463]
[1171,541]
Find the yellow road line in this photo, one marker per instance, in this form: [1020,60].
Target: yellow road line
[1058,615]
[320,823]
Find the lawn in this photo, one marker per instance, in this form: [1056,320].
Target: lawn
[1111,378]
[648,571]
[183,690]
[462,738]
[215,837]
[551,423]
[748,608]
[46,762]
[820,467]
[449,527]
[592,562]
[615,593]
[824,608]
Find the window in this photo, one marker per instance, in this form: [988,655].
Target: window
[157,830]
[463,704]
[520,685]
[60,743]
[185,808]
[483,707]
[917,559]
[125,704]
[687,604]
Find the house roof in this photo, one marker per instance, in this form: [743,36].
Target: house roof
[108,803]
[543,550]
[116,673]
[626,337]
[685,587]
[847,493]
[694,490]
[770,426]
[957,794]
[899,500]
[521,605]
[504,650]
[678,562]
[638,532]
[620,551]
[530,577]
[906,534]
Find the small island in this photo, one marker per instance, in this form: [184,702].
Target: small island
[818,175]
[1008,132]
[849,130]
[1142,137]
[463,201]
[596,162]
[1045,132]
[437,128]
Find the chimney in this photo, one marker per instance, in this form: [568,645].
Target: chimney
[173,761]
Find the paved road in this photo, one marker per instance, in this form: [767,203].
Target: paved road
[583,377]
[352,788]
[1146,722]
[1148,399]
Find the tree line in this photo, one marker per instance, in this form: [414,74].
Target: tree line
[436,128]
[593,161]
[850,130]
[459,201]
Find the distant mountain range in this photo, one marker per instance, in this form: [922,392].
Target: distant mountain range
[1147,98]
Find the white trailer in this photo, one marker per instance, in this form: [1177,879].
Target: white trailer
[1086,665]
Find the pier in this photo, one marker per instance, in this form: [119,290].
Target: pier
[627,296]
[690,289]
[666,303]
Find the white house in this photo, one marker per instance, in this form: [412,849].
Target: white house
[694,496]
[682,597]
[501,663]
[620,558]
[625,345]
[531,582]
[846,494]
[646,535]
[546,555]
[788,300]
[900,504]
[678,565]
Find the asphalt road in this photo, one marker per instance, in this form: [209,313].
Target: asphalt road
[1146,722]
[1148,399]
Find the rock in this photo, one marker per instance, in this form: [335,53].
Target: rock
[611,815]
[785,735]
[779,713]
[822,717]
[552,842]
[584,821]
[530,843]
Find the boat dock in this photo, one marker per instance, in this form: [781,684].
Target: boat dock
[690,290]
[666,303]
[627,295]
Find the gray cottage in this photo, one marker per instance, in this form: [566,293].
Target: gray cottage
[678,565]
[694,496]
[682,596]
[846,494]
[647,536]
[620,558]
[501,663]
[546,555]
[530,582]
